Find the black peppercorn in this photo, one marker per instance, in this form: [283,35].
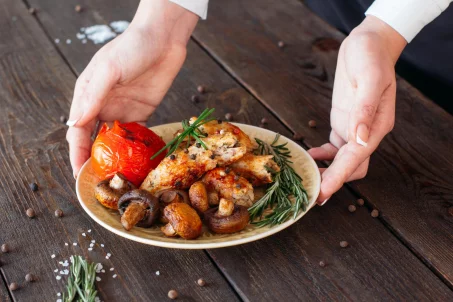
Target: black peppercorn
[227,170]
[34,187]
[198,145]
[360,202]
[228,116]
[238,186]
[32,10]
[352,208]
[201,89]
[193,156]
[172,157]
[322,264]
[236,177]
[264,121]
[178,184]
[281,44]
[5,248]
[374,213]
[13,286]
[58,213]
[63,119]
[344,243]
[29,277]
[78,8]
[298,136]
[212,156]
[186,150]
[312,124]
[219,121]
[201,282]
[195,99]
[30,213]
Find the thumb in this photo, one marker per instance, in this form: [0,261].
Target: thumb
[89,100]
[367,100]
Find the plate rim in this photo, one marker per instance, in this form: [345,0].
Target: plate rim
[213,245]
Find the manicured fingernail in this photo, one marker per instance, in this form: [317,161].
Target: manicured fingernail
[362,135]
[322,203]
[71,123]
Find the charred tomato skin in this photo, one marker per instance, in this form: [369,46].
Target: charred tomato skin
[126,148]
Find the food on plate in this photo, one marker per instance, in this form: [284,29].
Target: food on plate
[109,191]
[169,196]
[257,169]
[227,218]
[183,221]
[230,185]
[126,148]
[198,196]
[138,208]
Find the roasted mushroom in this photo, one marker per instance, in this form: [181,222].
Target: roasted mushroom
[199,197]
[138,207]
[109,191]
[170,196]
[227,218]
[183,221]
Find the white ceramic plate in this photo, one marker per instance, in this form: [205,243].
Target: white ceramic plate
[109,219]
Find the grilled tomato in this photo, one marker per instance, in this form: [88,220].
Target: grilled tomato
[127,149]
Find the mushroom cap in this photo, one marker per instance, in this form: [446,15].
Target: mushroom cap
[152,210]
[198,196]
[108,196]
[170,196]
[227,224]
[184,220]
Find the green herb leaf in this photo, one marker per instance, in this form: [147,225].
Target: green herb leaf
[80,286]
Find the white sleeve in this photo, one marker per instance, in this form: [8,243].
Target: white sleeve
[407,17]
[198,7]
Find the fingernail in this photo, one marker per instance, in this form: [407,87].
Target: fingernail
[362,135]
[322,203]
[71,123]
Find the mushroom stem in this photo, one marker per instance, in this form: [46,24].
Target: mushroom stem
[133,214]
[226,207]
[117,182]
[168,230]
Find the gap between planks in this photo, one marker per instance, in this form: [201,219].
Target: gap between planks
[2,273]
[348,186]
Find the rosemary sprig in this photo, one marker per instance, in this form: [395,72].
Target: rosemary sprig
[286,196]
[189,131]
[80,286]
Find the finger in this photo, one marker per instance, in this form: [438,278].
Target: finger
[88,105]
[79,139]
[325,152]
[368,97]
[336,139]
[346,162]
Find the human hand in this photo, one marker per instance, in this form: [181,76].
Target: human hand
[363,103]
[128,77]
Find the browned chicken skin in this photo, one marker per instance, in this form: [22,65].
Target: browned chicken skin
[255,168]
[216,127]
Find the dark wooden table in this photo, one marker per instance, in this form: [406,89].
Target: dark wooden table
[405,254]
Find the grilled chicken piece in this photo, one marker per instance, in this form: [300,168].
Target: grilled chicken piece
[255,168]
[189,165]
[229,186]
[214,127]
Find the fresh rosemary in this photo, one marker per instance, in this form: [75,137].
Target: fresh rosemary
[80,286]
[286,196]
[189,131]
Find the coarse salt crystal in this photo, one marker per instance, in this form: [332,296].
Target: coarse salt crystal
[90,249]
[102,245]
[80,36]
[114,276]
[89,231]
[84,235]
[53,256]
[58,294]
[66,272]
[119,26]
[108,254]
[55,270]
[112,269]
[61,272]
[158,273]
[91,244]
[98,267]
[93,241]
[107,257]
[58,277]
[102,270]
[68,41]
[60,262]
[84,41]
[57,41]
[59,300]
[96,299]
[99,33]
[66,244]
[98,279]
[74,244]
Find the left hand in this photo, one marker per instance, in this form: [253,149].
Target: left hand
[363,103]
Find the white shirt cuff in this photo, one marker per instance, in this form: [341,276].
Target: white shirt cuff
[407,17]
[198,7]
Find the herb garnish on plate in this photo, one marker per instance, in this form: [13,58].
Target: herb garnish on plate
[286,196]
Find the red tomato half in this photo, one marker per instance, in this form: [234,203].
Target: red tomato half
[126,148]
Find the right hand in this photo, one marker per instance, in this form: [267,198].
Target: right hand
[128,77]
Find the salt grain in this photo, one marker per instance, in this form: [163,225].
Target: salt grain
[102,245]
[66,244]
[114,276]
[112,269]
[84,235]
[102,270]
[57,41]
[66,272]
[99,33]
[53,256]
[55,270]
[74,244]
[98,279]
[68,41]
[58,294]
[157,273]
[90,249]
[108,254]
[84,41]
[93,241]
[80,36]
[59,300]
[58,277]
[98,267]
[119,26]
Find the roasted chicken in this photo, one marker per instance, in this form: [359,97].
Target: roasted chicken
[256,168]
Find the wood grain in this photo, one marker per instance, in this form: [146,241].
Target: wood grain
[409,179]
[35,89]
[4,296]
[285,266]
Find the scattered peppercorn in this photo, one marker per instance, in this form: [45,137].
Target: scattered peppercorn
[5,248]
[195,99]
[298,136]
[13,286]
[178,183]
[78,8]
[344,243]
[58,213]
[198,145]
[360,202]
[236,177]
[281,44]
[32,10]
[219,121]
[201,282]
[374,213]
[238,186]
[312,124]
[201,89]
[229,117]
[33,187]
[186,150]
[193,156]
[172,157]
[227,170]
[29,277]
[30,213]
[352,208]
[450,211]
[63,119]
[212,156]
[172,294]
[322,264]
[264,121]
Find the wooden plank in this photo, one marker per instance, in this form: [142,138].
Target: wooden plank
[386,270]
[35,89]
[4,296]
[415,197]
